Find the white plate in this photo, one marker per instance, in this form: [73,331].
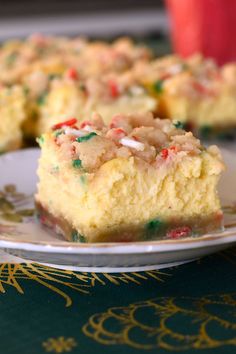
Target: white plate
[28,240]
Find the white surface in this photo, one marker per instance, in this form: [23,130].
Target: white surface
[101,24]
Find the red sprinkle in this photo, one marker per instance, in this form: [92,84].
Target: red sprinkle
[86,122]
[43,219]
[112,125]
[113,88]
[73,150]
[219,216]
[72,74]
[164,153]
[38,39]
[67,123]
[119,132]
[114,122]
[165,76]
[174,148]
[179,232]
[201,89]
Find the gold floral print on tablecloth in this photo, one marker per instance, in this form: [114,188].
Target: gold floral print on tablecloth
[170,323]
[59,345]
[61,281]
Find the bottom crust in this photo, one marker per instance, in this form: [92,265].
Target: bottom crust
[152,230]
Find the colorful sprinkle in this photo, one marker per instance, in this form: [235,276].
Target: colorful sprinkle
[179,232]
[40,140]
[201,89]
[82,87]
[206,131]
[53,76]
[158,86]
[10,60]
[83,180]
[87,137]
[55,169]
[132,143]
[67,123]
[154,225]
[179,125]
[174,148]
[74,236]
[77,237]
[42,99]
[113,88]
[118,133]
[76,132]
[85,123]
[88,128]
[77,163]
[58,132]
[26,90]
[164,153]
[175,69]
[72,74]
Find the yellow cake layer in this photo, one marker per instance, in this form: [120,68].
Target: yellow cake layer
[193,90]
[12,115]
[67,100]
[125,192]
[218,111]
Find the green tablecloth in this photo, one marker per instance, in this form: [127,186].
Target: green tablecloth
[186,309]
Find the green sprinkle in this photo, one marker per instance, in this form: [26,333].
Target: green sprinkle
[185,66]
[77,237]
[26,90]
[58,132]
[158,86]
[34,115]
[86,137]
[40,140]
[205,131]
[82,87]
[53,76]
[179,125]
[82,238]
[77,163]
[55,169]
[226,135]
[42,99]
[83,179]
[154,225]
[10,60]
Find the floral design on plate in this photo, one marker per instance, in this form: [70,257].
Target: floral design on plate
[13,209]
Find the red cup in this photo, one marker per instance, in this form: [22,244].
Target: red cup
[204,26]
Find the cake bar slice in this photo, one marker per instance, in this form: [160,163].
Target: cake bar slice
[194,91]
[137,179]
[70,95]
[12,115]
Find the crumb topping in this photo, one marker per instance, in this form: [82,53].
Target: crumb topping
[91,143]
[195,77]
[54,55]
